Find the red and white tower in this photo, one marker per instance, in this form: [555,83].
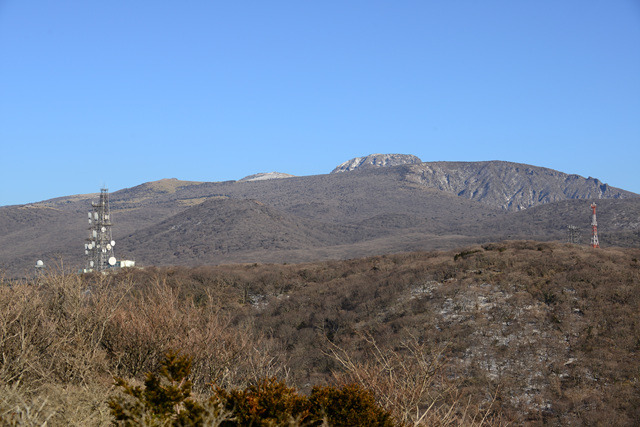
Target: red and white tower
[594,227]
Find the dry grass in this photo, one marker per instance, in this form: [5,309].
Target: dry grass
[55,404]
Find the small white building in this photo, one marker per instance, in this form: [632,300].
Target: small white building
[125,263]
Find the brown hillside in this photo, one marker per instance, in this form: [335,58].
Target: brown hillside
[518,331]
[618,222]
[363,212]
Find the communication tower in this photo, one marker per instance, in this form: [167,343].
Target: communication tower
[99,246]
[594,228]
[573,234]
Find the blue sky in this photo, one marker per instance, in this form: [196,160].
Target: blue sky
[125,92]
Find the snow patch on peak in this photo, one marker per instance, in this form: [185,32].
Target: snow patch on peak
[265,176]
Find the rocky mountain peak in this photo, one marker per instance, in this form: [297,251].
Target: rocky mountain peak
[376,160]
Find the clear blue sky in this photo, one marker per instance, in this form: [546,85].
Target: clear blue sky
[125,92]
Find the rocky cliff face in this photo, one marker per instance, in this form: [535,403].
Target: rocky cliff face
[510,186]
[376,160]
[505,185]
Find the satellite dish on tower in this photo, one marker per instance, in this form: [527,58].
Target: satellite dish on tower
[100,244]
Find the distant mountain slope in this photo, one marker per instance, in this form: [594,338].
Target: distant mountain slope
[618,222]
[31,232]
[343,198]
[367,211]
[364,206]
[222,226]
[304,214]
[509,186]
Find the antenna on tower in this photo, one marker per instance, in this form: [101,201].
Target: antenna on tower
[99,246]
[594,228]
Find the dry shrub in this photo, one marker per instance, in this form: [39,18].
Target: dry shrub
[411,382]
[52,331]
[159,318]
[53,368]
[165,399]
[270,402]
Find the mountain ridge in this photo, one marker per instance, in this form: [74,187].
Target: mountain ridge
[530,185]
[412,206]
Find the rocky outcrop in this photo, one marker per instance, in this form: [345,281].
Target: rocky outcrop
[510,186]
[376,160]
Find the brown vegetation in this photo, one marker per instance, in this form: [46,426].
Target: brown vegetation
[523,331]
[165,400]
